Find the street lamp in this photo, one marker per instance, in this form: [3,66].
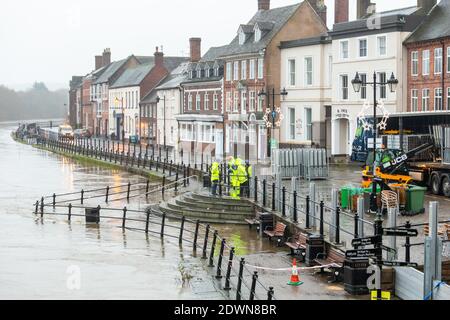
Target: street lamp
[357,83]
[274,113]
[158,99]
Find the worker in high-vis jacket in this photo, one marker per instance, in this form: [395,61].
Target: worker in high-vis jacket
[243,179]
[235,182]
[245,188]
[215,177]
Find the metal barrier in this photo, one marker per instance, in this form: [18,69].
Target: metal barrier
[309,164]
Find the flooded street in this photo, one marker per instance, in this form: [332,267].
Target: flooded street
[38,257]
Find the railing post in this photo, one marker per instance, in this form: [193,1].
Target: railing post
[273,196]
[147,221]
[283,210]
[205,243]
[82,196]
[188,173]
[54,200]
[219,263]
[264,192]
[356,226]
[197,225]
[70,212]
[228,275]
[408,244]
[183,219]
[253,289]
[163,186]
[163,222]
[295,213]
[107,194]
[308,208]
[256,189]
[147,188]
[176,181]
[337,229]
[270,294]
[124,217]
[128,191]
[184,175]
[239,284]
[322,208]
[36,210]
[213,248]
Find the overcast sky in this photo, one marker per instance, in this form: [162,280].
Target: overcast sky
[51,40]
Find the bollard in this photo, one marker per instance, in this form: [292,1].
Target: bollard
[356,235]
[264,192]
[70,212]
[128,191]
[205,243]
[256,189]
[54,200]
[188,173]
[219,262]
[294,214]
[180,239]
[308,207]
[361,217]
[239,284]
[213,248]
[176,181]
[273,196]
[253,289]
[147,221]
[283,210]
[184,175]
[337,228]
[322,207]
[227,286]
[163,222]
[197,225]
[82,196]
[270,294]
[107,194]
[124,217]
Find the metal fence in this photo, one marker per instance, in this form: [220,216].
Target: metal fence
[310,164]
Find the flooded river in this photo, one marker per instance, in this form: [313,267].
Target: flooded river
[52,259]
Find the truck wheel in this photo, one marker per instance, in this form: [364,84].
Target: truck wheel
[436,185]
[446,186]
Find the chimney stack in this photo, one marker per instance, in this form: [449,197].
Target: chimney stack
[321,9]
[98,62]
[361,8]
[263,5]
[159,58]
[106,57]
[196,49]
[341,11]
[426,5]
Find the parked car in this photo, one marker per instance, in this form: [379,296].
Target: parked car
[82,133]
[66,132]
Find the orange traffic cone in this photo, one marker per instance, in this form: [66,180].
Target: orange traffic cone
[295,279]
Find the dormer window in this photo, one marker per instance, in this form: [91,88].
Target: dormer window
[257,34]
[216,72]
[242,37]
[207,73]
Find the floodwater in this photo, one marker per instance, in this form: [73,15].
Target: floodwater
[51,258]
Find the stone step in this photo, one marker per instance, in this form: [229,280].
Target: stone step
[223,199]
[198,216]
[209,213]
[188,201]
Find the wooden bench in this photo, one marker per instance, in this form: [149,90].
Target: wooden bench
[333,256]
[252,222]
[297,244]
[277,233]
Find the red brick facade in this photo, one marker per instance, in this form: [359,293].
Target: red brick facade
[87,119]
[431,81]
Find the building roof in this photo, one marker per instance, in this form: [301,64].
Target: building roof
[269,21]
[111,69]
[435,26]
[404,19]
[150,97]
[133,76]
[323,39]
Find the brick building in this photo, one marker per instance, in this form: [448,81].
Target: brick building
[201,123]
[429,62]
[252,64]
[74,100]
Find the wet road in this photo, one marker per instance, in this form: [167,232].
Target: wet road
[44,259]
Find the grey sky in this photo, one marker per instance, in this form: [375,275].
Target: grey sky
[50,40]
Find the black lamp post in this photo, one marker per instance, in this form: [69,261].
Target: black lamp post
[158,99]
[357,84]
[274,114]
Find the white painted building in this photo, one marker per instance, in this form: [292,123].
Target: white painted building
[124,111]
[306,75]
[367,46]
